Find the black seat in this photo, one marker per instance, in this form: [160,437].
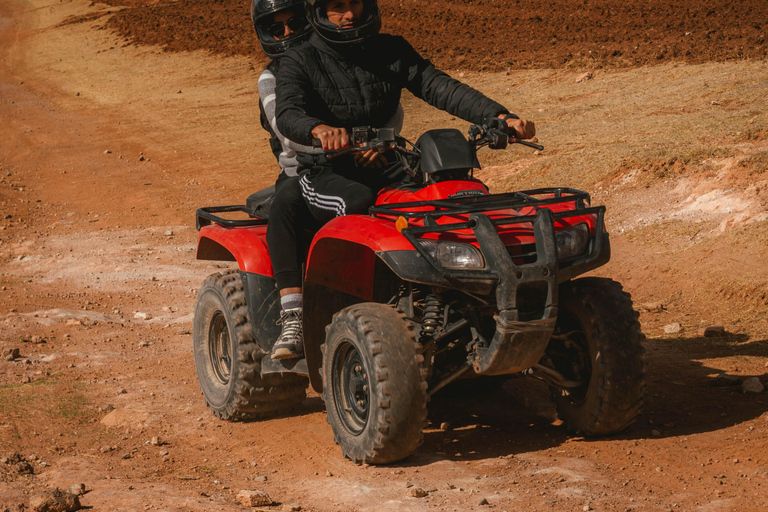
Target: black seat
[260,202]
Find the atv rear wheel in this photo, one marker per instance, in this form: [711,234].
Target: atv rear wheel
[228,359]
[598,342]
[375,388]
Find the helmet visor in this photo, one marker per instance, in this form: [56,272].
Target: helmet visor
[277,29]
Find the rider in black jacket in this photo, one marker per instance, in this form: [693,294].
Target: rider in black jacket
[348,75]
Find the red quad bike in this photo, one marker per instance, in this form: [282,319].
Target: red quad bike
[442,280]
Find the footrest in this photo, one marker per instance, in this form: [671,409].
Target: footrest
[269,365]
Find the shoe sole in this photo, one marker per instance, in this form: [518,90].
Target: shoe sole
[284,353]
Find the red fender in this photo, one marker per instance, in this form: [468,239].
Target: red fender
[247,246]
[343,253]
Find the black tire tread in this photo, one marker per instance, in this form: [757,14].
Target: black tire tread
[254,396]
[389,443]
[619,373]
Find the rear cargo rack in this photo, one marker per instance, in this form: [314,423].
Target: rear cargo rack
[205,216]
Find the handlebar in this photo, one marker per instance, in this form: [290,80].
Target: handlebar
[492,133]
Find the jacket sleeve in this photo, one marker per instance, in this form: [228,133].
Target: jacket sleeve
[438,89]
[294,95]
[267,83]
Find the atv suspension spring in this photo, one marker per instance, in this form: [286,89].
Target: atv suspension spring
[432,319]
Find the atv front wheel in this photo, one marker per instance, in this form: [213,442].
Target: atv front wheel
[228,359]
[597,342]
[375,388]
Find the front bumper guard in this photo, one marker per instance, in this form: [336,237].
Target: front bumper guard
[517,345]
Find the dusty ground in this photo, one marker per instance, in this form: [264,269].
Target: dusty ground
[106,149]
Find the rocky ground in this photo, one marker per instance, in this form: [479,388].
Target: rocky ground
[107,146]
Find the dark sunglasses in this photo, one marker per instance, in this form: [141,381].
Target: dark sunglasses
[296,24]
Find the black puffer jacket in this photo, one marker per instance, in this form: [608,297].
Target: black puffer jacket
[360,85]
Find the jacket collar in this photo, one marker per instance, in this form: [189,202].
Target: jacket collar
[338,51]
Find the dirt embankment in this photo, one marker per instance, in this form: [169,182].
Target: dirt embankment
[491,35]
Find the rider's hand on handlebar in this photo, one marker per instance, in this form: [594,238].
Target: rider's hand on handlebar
[524,129]
[370,158]
[332,139]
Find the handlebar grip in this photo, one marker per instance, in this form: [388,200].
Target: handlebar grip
[531,145]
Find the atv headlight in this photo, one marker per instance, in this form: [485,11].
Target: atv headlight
[453,255]
[572,241]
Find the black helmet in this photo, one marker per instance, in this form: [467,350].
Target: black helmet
[263,17]
[368,25]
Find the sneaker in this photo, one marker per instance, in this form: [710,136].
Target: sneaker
[290,343]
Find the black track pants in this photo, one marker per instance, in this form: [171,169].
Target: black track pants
[287,233]
[302,205]
[340,187]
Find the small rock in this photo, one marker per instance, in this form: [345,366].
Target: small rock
[328,473]
[417,492]
[77,489]
[168,232]
[107,151]
[586,508]
[713,331]
[655,433]
[483,501]
[253,498]
[155,441]
[290,508]
[107,408]
[24,468]
[12,354]
[752,385]
[121,391]
[652,307]
[584,77]
[445,426]
[126,456]
[673,328]
[141,315]
[26,379]
[714,102]
[55,501]
[260,479]
[143,343]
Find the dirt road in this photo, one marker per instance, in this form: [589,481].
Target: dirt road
[106,149]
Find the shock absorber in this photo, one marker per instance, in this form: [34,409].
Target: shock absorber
[432,318]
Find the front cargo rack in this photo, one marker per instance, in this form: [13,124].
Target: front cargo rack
[483,203]
[206,216]
[432,210]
